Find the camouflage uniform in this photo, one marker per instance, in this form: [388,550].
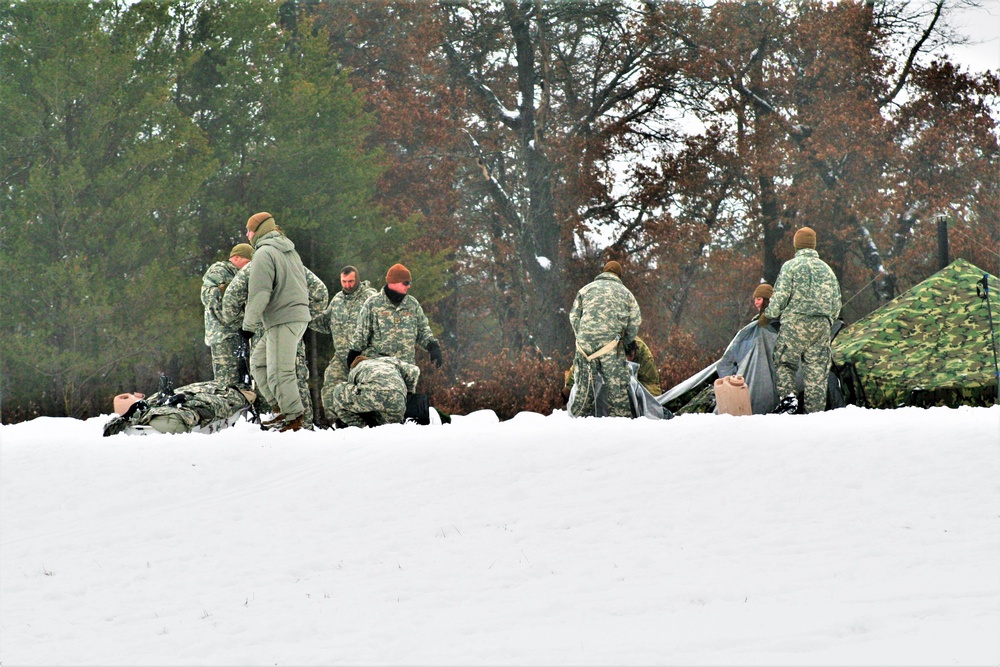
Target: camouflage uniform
[807,299]
[222,338]
[233,306]
[375,388]
[205,404]
[603,310]
[387,330]
[341,321]
[647,375]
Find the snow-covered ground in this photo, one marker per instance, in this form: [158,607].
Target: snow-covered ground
[853,537]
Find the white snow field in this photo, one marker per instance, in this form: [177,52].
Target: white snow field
[852,537]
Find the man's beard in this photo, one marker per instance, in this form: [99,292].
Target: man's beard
[350,290]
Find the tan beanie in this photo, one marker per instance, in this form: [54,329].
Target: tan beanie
[357,360]
[397,273]
[804,238]
[764,291]
[256,219]
[244,250]
[613,267]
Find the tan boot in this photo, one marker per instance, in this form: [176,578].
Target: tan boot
[293,425]
[273,421]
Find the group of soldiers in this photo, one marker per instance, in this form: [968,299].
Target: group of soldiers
[264,295]
[605,318]
[262,299]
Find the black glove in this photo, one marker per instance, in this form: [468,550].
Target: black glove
[246,335]
[435,351]
[630,348]
[351,356]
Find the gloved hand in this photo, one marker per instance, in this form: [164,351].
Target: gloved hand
[435,351]
[351,356]
[222,287]
[247,335]
[630,348]
[763,320]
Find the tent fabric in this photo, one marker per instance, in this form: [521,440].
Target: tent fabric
[750,354]
[931,345]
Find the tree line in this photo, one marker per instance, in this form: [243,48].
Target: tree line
[501,150]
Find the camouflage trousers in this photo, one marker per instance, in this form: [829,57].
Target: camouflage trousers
[614,370]
[336,373]
[348,401]
[224,364]
[258,370]
[804,342]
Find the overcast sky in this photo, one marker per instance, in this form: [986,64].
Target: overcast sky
[982,25]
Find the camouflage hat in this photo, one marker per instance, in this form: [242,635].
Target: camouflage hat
[763,291]
[244,250]
[804,238]
[357,360]
[613,267]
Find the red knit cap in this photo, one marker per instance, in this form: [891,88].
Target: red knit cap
[397,273]
[358,359]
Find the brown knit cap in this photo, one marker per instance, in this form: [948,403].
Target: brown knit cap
[764,291]
[613,267]
[358,359]
[397,273]
[254,222]
[244,250]
[804,238]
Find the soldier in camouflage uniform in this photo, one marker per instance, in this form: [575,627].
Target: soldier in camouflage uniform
[341,320]
[375,392]
[807,299]
[391,322]
[207,406]
[233,306]
[647,375]
[605,318]
[222,338]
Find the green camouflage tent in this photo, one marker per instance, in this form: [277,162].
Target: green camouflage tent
[929,346]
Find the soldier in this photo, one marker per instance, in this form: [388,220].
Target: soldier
[233,307]
[222,338]
[647,375]
[375,392]
[605,318]
[278,299]
[341,320]
[762,297]
[391,322]
[807,298]
[206,406]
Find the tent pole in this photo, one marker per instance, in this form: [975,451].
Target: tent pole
[985,294]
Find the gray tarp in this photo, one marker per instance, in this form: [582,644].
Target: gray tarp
[749,354]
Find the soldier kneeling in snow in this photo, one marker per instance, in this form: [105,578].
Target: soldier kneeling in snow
[375,392]
[204,407]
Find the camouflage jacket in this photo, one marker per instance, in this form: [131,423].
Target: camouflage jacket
[387,330]
[215,280]
[806,288]
[602,310]
[385,373]
[234,301]
[648,375]
[203,404]
[340,319]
